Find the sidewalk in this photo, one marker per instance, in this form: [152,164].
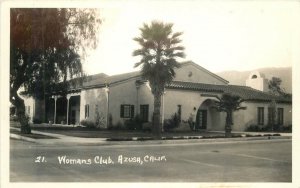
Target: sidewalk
[60,138]
[63,139]
[256,133]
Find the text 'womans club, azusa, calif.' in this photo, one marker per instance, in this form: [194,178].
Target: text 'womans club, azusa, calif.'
[105,160]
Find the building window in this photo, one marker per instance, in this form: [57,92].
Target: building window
[127,111]
[260,115]
[87,111]
[280,116]
[254,76]
[144,112]
[179,111]
[271,116]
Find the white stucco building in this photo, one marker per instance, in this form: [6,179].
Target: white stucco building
[118,98]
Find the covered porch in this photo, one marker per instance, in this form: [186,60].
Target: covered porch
[64,109]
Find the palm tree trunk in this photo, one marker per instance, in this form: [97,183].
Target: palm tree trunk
[156,116]
[228,124]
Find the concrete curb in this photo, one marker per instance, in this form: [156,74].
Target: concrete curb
[61,139]
[19,137]
[45,133]
[210,140]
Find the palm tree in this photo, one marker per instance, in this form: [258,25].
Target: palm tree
[275,86]
[229,103]
[159,50]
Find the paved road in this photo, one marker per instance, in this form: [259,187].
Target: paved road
[252,161]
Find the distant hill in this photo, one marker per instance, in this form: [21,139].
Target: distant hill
[239,78]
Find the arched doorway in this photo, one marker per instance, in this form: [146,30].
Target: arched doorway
[201,119]
[207,117]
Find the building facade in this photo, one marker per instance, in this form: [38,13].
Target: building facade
[114,99]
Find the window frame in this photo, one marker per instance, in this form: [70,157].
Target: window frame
[129,111]
[271,116]
[260,115]
[280,116]
[144,112]
[179,111]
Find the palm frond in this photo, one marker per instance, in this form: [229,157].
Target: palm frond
[139,40]
[178,54]
[138,64]
[158,50]
[177,34]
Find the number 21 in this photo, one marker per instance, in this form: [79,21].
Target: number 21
[39,159]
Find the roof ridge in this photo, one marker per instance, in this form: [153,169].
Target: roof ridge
[123,73]
[204,69]
[198,83]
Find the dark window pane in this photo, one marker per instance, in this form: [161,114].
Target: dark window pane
[144,112]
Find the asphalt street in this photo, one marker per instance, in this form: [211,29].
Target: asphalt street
[248,161]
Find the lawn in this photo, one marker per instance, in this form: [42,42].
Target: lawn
[84,132]
[119,133]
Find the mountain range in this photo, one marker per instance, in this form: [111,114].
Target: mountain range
[240,77]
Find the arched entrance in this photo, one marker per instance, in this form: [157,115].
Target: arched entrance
[201,119]
[207,117]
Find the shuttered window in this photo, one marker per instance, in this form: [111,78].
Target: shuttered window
[280,116]
[260,115]
[271,116]
[144,112]
[127,111]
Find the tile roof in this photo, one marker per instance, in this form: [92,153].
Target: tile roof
[247,93]
[108,80]
[100,80]
[96,76]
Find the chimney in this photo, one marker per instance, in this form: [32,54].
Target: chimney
[257,80]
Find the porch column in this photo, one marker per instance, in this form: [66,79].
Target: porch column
[55,99]
[107,105]
[68,98]
[137,100]
[163,110]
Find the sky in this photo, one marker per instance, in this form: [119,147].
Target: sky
[217,35]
